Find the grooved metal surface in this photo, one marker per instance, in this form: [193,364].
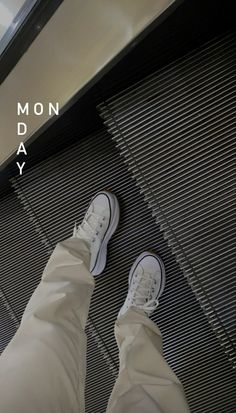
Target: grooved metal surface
[7,325]
[55,193]
[176,132]
[23,258]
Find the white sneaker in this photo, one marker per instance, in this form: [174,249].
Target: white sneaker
[146,283]
[98,226]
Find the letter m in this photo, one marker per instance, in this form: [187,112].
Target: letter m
[22,110]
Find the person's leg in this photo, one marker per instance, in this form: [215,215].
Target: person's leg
[43,368]
[145,383]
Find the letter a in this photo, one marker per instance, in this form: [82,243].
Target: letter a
[21,149]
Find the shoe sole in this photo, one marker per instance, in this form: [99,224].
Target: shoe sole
[114,221]
[161,263]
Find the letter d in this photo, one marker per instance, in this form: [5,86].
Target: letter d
[21,128]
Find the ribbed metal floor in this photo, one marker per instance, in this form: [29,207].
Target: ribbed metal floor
[176,131]
[7,325]
[23,258]
[55,193]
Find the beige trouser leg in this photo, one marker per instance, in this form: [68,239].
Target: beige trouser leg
[43,368]
[145,382]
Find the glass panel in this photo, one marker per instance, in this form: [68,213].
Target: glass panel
[12,15]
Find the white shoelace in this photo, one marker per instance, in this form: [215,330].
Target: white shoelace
[88,229]
[141,290]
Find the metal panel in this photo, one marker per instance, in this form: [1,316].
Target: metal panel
[55,193]
[176,132]
[80,39]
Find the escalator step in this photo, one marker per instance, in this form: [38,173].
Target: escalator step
[176,132]
[56,193]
